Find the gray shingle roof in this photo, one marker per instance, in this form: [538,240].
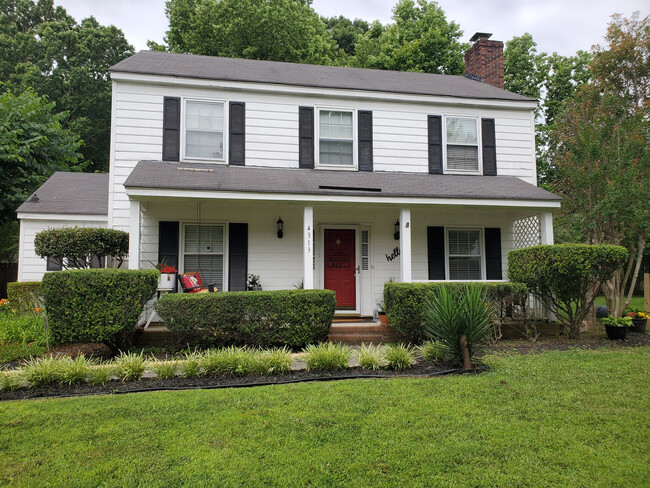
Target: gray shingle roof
[70,194]
[247,70]
[212,177]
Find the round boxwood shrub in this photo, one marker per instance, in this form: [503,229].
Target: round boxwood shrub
[96,305]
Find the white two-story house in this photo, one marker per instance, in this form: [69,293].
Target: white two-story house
[329,177]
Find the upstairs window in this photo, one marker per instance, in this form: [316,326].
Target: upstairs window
[465,256]
[462,144]
[336,138]
[204,130]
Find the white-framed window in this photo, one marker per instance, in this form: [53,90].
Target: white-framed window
[462,144]
[465,254]
[203,251]
[336,138]
[204,130]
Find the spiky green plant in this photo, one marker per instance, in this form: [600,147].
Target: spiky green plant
[100,374]
[276,361]
[432,351]
[326,356]
[130,366]
[164,369]
[75,370]
[43,371]
[232,361]
[370,357]
[398,356]
[191,366]
[9,381]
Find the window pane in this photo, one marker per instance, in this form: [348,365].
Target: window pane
[207,145]
[465,242]
[335,125]
[461,131]
[336,152]
[204,127]
[462,157]
[210,268]
[465,268]
[204,239]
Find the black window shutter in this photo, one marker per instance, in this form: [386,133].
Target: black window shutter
[489,147]
[435,144]
[493,269]
[168,243]
[365,140]
[238,257]
[436,252]
[171,129]
[237,133]
[306,135]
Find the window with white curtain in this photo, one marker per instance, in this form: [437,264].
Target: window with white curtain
[203,251]
[204,130]
[335,137]
[465,254]
[462,144]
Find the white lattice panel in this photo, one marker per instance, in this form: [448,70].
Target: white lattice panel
[527,232]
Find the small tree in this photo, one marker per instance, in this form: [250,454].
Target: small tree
[76,247]
[563,276]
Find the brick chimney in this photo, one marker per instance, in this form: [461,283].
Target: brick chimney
[484,60]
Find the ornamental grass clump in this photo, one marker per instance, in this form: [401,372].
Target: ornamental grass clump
[432,351]
[326,356]
[44,371]
[191,366]
[370,357]
[9,381]
[399,356]
[75,371]
[164,369]
[232,361]
[276,361]
[100,374]
[130,366]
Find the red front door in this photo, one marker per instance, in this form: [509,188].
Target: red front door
[340,266]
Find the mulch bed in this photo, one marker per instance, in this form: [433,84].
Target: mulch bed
[420,369]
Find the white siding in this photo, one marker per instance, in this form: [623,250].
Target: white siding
[31,266]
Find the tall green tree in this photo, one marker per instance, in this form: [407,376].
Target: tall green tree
[601,150]
[420,39]
[274,30]
[42,47]
[346,32]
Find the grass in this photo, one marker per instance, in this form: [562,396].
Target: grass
[21,336]
[635,302]
[575,418]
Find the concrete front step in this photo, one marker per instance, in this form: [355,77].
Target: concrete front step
[356,334]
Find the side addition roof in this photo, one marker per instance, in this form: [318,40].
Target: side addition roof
[70,194]
[254,71]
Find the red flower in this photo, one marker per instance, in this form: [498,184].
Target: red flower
[168,269]
[631,314]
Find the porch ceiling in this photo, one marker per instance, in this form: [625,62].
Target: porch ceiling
[371,186]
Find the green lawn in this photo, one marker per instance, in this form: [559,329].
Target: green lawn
[635,302]
[576,418]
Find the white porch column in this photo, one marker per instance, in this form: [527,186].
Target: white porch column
[405,245]
[308,247]
[134,234]
[546,227]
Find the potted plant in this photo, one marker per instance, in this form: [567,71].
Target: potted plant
[253,283]
[639,319]
[616,327]
[167,280]
[381,313]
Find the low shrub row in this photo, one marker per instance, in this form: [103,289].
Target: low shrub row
[406,303]
[292,318]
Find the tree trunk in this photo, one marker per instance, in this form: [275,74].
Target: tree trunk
[467,363]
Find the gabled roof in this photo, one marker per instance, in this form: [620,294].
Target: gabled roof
[70,194]
[377,184]
[307,75]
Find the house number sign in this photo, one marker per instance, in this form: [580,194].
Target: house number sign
[308,240]
[393,255]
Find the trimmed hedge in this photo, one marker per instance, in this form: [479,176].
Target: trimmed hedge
[406,302]
[97,305]
[293,318]
[563,276]
[25,296]
[77,245]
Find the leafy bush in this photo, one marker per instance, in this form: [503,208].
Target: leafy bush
[398,356]
[165,369]
[98,305]
[370,357]
[432,350]
[24,296]
[130,366]
[326,356]
[276,361]
[564,276]
[74,247]
[265,318]
[451,318]
[406,302]
[75,370]
[42,371]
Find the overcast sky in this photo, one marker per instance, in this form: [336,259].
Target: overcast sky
[563,26]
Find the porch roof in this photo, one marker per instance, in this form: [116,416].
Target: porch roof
[376,185]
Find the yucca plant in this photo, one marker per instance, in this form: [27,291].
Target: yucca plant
[370,357]
[398,356]
[276,361]
[100,374]
[191,366]
[42,371]
[432,350]
[75,370]
[326,356]
[164,369]
[130,366]
[459,323]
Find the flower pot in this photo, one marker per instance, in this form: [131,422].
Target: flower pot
[383,318]
[615,333]
[167,281]
[638,325]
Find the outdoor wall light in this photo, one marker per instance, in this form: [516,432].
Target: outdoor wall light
[280,226]
[396,234]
